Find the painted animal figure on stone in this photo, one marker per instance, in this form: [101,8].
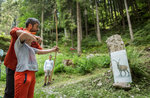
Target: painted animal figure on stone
[122,68]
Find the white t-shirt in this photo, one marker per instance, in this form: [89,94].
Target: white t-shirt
[25,57]
[48,65]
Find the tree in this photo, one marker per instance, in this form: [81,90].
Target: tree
[97,21]
[8,12]
[86,25]
[129,21]
[78,29]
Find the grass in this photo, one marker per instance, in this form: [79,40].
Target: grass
[93,85]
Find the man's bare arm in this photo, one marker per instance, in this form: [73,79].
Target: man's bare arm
[27,38]
[55,49]
[19,32]
[38,38]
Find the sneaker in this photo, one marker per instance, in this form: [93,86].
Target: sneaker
[48,83]
[44,85]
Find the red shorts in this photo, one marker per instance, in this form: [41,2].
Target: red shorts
[24,84]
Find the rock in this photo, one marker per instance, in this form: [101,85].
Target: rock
[90,56]
[99,83]
[123,85]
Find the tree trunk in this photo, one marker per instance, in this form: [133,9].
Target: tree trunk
[81,25]
[112,16]
[116,19]
[98,27]
[42,20]
[94,20]
[135,9]
[121,13]
[106,11]
[148,6]
[78,29]
[72,44]
[86,26]
[129,22]
[103,20]
[65,32]
[114,4]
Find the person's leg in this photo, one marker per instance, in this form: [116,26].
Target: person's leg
[9,90]
[48,83]
[22,84]
[45,79]
[49,77]
[32,85]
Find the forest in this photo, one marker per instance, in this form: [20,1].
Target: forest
[81,29]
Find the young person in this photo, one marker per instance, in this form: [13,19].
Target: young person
[10,60]
[48,66]
[26,65]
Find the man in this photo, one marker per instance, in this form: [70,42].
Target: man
[48,66]
[10,60]
[26,65]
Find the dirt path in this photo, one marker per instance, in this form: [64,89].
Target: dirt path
[49,89]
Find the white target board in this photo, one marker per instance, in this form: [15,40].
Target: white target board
[120,66]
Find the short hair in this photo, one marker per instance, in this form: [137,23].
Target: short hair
[50,55]
[32,21]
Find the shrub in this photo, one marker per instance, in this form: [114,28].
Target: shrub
[59,68]
[3,72]
[142,36]
[137,63]
[4,42]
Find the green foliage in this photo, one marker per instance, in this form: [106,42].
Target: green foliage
[8,12]
[59,68]
[69,70]
[142,36]
[84,65]
[4,42]
[91,45]
[137,63]
[3,72]
[81,65]
[26,13]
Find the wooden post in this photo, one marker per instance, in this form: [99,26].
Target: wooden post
[56,44]
[56,28]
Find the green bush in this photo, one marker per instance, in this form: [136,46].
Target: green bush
[84,65]
[3,72]
[69,69]
[59,68]
[4,42]
[142,36]
[137,63]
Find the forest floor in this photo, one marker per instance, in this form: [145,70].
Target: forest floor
[95,85]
